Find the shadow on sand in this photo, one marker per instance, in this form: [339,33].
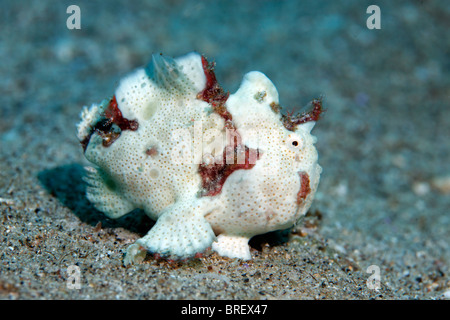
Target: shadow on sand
[67,185]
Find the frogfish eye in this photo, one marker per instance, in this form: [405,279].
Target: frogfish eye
[294,142]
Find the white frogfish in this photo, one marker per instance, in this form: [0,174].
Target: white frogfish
[212,169]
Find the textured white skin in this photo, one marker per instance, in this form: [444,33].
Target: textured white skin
[251,202]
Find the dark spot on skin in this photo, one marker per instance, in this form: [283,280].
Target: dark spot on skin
[305,188]
[275,107]
[111,125]
[291,122]
[260,96]
[152,152]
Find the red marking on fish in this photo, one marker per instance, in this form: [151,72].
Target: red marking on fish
[214,175]
[305,188]
[104,127]
[213,92]
[291,122]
